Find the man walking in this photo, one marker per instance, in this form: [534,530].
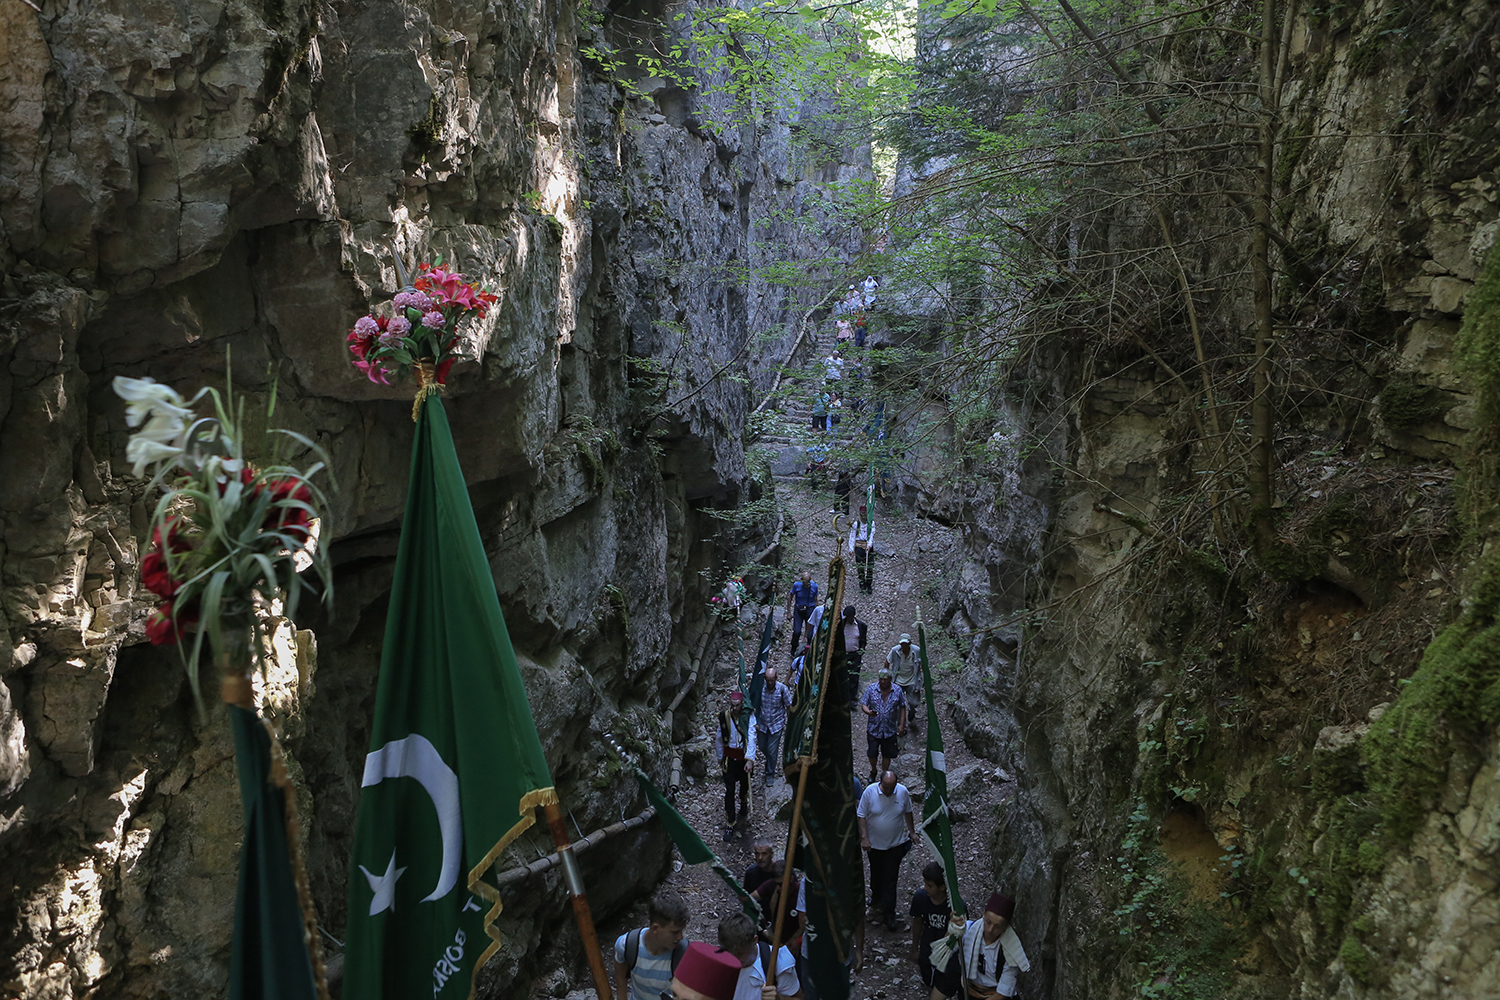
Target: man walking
[737,755]
[903,659]
[774,702]
[886,825]
[885,706]
[861,548]
[854,635]
[765,859]
[800,604]
[931,911]
[991,952]
[646,957]
[737,936]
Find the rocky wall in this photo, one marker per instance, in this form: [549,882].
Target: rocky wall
[182,183]
[1205,807]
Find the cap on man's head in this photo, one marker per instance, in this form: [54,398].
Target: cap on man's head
[708,972]
[737,697]
[883,672]
[1001,905]
[906,637]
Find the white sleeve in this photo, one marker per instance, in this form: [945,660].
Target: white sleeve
[786,973]
[862,810]
[871,538]
[750,740]
[852,530]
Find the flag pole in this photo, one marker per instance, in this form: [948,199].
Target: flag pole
[786,875]
[805,763]
[574,878]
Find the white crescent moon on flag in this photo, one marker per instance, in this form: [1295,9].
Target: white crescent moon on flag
[415,757]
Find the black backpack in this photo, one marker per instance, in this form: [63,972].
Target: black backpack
[633,950]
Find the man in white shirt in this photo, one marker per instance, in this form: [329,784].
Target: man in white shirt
[887,825]
[737,936]
[991,953]
[855,961]
[736,745]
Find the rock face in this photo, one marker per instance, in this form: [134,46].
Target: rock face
[181,183]
[1205,806]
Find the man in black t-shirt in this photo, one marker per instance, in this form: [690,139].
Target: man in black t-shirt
[761,870]
[930,912]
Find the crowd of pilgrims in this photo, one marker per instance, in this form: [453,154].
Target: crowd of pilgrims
[971,959]
[979,958]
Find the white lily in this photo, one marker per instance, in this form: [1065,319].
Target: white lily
[147,397]
[144,451]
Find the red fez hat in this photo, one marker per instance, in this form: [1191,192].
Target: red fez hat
[1001,905]
[736,697]
[711,971]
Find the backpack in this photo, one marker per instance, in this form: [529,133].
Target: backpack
[633,950]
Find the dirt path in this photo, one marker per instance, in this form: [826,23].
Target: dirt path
[910,552]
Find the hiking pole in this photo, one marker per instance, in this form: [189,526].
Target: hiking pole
[574,879]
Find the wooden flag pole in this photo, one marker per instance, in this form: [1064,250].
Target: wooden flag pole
[786,876]
[574,878]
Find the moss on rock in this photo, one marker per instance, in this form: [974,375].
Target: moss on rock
[1453,696]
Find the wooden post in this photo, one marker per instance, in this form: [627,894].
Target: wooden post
[786,876]
[574,879]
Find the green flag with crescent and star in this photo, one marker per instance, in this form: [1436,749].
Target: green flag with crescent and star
[936,827]
[455,770]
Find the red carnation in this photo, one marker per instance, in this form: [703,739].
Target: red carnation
[166,625]
[156,572]
[292,521]
[155,576]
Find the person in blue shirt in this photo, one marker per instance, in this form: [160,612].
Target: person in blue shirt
[800,603]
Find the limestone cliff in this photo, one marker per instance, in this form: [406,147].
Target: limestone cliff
[179,182]
[1235,779]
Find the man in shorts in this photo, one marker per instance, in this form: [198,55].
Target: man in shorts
[930,913]
[885,705]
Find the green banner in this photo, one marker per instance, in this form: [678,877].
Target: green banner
[833,865]
[455,770]
[268,958]
[936,827]
[691,846]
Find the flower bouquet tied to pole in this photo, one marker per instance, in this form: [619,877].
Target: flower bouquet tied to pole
[419,335]
[229,537]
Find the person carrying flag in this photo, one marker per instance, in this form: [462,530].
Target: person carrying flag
[861,547]
[931,911]
[737,937]
[737,754]
[991,953]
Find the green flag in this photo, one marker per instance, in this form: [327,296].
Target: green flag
[691,846]
[455,770]
[268,958]
[833,866]
[937,829]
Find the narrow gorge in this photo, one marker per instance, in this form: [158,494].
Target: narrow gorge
[1177,401]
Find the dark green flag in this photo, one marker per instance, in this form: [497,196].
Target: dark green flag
[691,846]
[937,829]
[833,864]
[268,959]
[455,770]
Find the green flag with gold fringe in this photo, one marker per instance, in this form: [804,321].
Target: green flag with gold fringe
[455,770]
[818,732]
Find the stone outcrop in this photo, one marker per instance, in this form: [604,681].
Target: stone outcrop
[1188,718]
[184,183]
